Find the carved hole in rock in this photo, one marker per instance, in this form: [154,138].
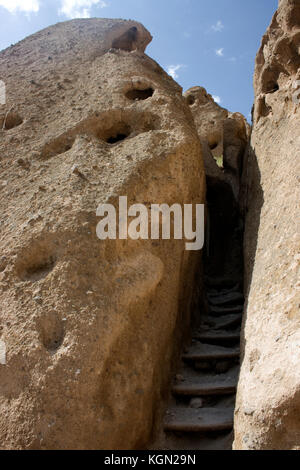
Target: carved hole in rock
[272,87]
[37,270]
[117,133]
[191,100]
[127,40]
[60,145]
[51,331]
[10,120]
[213,145]
[269,79]
[116,139]
[139,95]
[114,131]
[112,127]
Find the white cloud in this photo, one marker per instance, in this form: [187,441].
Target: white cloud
[79,8]
[26,6]
[220,52]
[217,99]
[218,27]
[173,69]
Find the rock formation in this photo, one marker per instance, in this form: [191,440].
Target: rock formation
[224,137]
[89,328]
[268,403]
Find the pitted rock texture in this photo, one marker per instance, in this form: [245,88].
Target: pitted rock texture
[89,327]
[268,401]
[224,137]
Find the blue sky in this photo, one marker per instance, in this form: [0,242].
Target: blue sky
[211,43]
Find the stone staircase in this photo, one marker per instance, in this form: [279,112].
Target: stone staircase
[200,415]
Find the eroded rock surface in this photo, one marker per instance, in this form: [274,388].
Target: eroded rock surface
[224,137]
[88,327]
[268,403]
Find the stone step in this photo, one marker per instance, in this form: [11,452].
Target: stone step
[217,386]
[222,291]
[226,299]
[217,337]
[184,419]
[224,321]
[201,442]
[206,352]
[217,311]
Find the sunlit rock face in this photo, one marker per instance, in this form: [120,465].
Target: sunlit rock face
[268,403]
[88,327]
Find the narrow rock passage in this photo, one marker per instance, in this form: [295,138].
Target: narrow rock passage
[200,415]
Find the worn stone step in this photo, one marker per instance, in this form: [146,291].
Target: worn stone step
[226,299]
[218,385]
[188,441]
[217,311]
[222,291]
[217,337]
[184,419]
[206,352]
[224,321]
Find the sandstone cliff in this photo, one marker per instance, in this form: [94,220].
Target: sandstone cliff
[268,403]
[89,327]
